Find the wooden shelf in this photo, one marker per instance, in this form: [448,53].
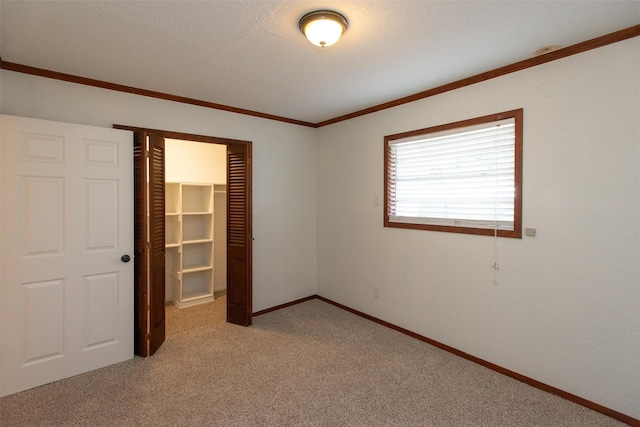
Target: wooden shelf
[195,267]
[189,235]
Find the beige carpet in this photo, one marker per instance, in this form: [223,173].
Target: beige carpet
[179,320]
[311,364]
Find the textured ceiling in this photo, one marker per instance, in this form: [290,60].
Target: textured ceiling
[251,55]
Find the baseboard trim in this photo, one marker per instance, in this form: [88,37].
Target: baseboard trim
[285,305]
[527,380]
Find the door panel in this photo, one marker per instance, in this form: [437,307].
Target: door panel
[67,299]
[101,292]
[141,263]
[239,298]
[44,331]
[149,242]
[156,243]
[43,194]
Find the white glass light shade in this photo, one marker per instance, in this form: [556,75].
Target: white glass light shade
[323,32]
[323,28]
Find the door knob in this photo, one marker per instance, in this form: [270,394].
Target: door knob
[125,258]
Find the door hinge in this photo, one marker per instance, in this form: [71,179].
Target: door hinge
[148,336]
[146,154]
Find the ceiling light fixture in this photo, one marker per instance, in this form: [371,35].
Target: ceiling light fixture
[323,27]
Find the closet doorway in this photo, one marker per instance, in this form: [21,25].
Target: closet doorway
[151,229]
[195,234]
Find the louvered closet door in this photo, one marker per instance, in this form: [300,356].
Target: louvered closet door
[141,264]
[149,243]
[239,241]
[156,242]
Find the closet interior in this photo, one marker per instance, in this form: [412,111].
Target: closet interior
[195,209]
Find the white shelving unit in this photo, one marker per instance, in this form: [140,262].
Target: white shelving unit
[189,241]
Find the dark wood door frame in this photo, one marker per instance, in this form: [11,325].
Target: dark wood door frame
[239,229]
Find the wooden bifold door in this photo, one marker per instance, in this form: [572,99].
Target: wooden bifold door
[149,184]
[149,295]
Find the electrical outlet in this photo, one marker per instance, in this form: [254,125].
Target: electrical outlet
[376,291]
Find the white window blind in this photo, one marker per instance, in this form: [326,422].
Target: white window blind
[464,177]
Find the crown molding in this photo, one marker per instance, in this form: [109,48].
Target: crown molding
[554,55]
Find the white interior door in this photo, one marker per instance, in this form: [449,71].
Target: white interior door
[66,221]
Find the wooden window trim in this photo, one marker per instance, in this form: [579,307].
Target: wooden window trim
[517,223]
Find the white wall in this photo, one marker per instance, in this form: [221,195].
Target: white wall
[284,168]
[189,161]
[566,306]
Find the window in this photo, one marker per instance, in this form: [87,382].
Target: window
[463,177]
